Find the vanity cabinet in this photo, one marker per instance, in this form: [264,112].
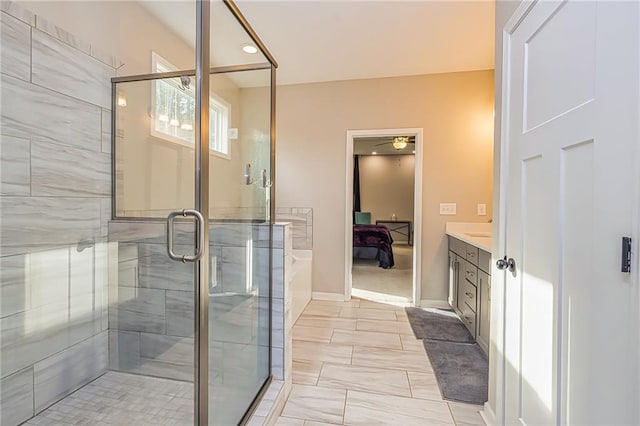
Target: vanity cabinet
[484,286]
[470,288]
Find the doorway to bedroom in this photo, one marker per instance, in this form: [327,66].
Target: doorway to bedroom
[382,206]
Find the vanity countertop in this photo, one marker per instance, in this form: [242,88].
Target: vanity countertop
[476,234]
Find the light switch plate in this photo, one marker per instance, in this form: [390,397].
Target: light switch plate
[448,209]
[233,133]
[482,209]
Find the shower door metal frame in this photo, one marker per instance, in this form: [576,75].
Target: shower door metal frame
[201,267]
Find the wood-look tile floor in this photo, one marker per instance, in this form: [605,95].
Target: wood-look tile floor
[358,363]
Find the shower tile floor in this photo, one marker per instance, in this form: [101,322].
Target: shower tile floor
[123,399]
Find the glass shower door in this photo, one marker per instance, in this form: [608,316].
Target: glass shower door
[239,295]
[240,213]
[205,315]
[158,235]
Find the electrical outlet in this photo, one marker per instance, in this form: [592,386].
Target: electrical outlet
[448,209]
[482,209]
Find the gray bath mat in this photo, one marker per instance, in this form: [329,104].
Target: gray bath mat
[438,324]
[462,370]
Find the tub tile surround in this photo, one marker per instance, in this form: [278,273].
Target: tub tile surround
[301,219]
[281,328]
[54,289]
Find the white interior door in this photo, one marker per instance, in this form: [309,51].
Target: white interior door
[571,117]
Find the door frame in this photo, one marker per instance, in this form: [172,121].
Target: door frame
[417,205]
[498,277]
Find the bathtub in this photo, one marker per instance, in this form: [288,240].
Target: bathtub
[300,283]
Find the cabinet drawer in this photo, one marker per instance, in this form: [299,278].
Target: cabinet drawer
[458,247]
[471,273]
[471,254]
[469,319]
[468,294]
[484,261]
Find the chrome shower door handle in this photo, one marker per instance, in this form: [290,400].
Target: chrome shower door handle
[199,251]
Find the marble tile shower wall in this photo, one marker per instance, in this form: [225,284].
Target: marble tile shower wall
[55,195]
[152,303]
[301,219]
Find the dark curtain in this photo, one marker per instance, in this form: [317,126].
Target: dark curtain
[356,186]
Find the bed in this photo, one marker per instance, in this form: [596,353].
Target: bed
[373,242]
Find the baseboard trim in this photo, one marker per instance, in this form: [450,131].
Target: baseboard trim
[488,415]
[317,295]
[434,303]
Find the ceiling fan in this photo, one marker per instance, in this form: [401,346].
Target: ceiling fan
[398,142]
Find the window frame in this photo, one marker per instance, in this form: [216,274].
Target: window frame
[216,103]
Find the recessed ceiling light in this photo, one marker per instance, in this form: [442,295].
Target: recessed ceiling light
[373,153]
[249,48]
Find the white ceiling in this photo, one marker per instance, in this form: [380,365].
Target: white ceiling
[341,40]
[315,41]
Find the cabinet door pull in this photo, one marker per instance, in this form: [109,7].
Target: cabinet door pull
[469,295]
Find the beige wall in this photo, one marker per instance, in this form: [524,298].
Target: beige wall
[456,112]
[386,187]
